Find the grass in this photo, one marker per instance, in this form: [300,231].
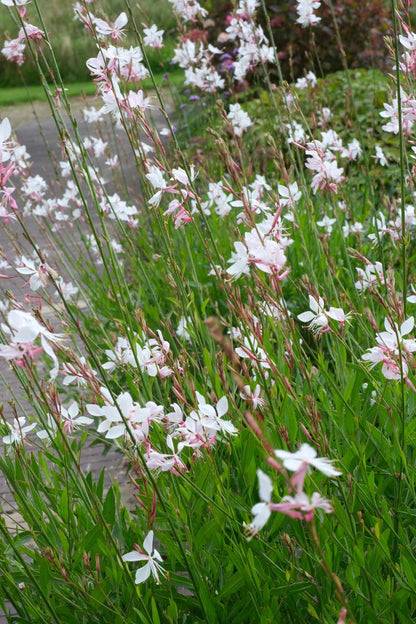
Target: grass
[22,95]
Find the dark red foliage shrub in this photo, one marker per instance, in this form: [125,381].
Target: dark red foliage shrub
[362,26]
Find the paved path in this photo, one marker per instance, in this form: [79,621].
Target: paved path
[29,132]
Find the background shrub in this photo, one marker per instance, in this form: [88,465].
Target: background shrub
[362,27]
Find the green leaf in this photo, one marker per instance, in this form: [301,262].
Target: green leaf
[63,505]
[155,613]
[109,508]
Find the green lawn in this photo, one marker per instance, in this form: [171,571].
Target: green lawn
[18,95]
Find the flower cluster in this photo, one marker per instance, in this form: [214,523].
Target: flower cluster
[239,119]
[393,350]
[306,12]
[252,45]
[14,49]
[301,506]
[124,418]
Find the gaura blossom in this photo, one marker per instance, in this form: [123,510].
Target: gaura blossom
[252,350]
[412,297]
[11,3]
[31,32]
[152,558]
[326,223]
[309,80]
[13,50]
[66,289]
[289,194]
[247,8]
[153,37]
[380,157]
[18,431]
[306,455]
[5,146]
[115,31]
[122,415]
[393,350]
[261,511]
[71,419]
[23,330]
[164,462]
[306,506]
[371,276]
[299,463]
[318,317]
[212,417]
[78,372]
[239,261]
[38,275]
[253,396]
[321,159]
[122,355]
[305,10]
[239,119]
[49,433]
[187,10]
[182,331]
[298,507]
[181,175]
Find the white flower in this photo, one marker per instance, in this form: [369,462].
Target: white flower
[308,506]
[23,329]
[18,431]
[372,275]
[51,430]
[239,119]
[309,80]
[326,223]
[153,37]
[261,511]
[306,455]
[380,156]
[412,298]
[181,330]
[121,355]
[71,420]
[67,289]
[289,195]
[393,336]
[181,175]
[152,558]
[39,275]
[5,131]
[239,264]
[104,29]
[253,396]
[121,415]
[316,315]
[392,349]
[305,11]
[212,417]
[14,2]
